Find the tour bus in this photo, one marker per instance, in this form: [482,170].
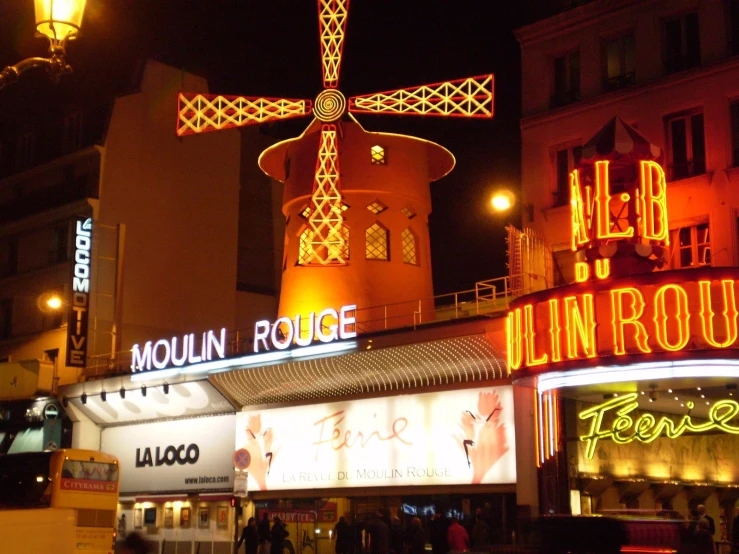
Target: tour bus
[62,501]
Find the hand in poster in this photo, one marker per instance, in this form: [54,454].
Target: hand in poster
[259,446]
[482,436]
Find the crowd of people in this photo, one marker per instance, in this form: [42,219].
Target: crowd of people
[383,534]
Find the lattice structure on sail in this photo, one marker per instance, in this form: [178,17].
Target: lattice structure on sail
[471,97]
[326,220]
[332,20]
[199,113]
[325,240]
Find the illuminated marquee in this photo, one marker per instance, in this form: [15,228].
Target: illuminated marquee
[79,306]
[657,312]
[625,428]
[283,332]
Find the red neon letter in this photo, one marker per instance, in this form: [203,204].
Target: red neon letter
[514,351]
[653,202]
[580,213]
[530,337]
[555,330]
[603,206]
[620,320]
[682,317]
[730,313]
[580,326]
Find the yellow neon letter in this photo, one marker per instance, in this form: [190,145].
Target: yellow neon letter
[603,206]
[580,326]
[653,202]
[620,320]
[730,313]
[530,337]
[580,213]
[555,330]
[602,268]
[582,272]
[514,351]
[682,316]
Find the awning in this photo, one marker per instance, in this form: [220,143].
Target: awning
[453,361]
[28,440]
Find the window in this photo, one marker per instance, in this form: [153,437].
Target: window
[305,249]
[8,256]
[6,318]
[681,43]
[408,212]
[408,242]
[735,132]
[691,246]
[619,62]
[686,145]
[566,79]
[73,131]
[376,242]
[58,248]
[565,160]
[377,207]
[377,154]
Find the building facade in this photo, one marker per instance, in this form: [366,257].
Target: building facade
[106,209]
[642,211]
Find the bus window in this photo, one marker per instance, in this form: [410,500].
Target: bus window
[24,480]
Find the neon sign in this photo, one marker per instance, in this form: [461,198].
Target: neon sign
[283,332]
[658,312]
[78,308]
[598,216]
[164,353]
[625,428]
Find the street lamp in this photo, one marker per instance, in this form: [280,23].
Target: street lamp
[50,302]
[502,200]
[59,21]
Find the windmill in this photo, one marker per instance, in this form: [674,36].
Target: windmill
[324,237]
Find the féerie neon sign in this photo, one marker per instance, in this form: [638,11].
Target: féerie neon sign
[646,428]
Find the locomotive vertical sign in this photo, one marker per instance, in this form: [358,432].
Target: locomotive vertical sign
[79,300]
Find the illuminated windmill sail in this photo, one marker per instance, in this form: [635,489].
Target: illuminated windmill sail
[199,113]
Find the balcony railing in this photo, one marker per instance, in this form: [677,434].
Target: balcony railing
[488,298]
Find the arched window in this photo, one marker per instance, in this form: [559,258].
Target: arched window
[376,242]
[408,243]
[305,252]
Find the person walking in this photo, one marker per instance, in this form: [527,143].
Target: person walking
[249,536]
[379,535]
[264,534]
[397,536]
[457,537]
[343,537]
[438,531]
[416,539]
[277,536]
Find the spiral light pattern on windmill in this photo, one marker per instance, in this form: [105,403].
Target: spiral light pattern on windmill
[329,106]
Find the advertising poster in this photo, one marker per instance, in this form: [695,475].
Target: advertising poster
[441,438]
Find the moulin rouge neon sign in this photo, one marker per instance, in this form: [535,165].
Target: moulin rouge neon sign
[625,428]
[656,313]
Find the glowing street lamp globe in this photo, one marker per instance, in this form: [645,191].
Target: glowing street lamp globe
[59,20]
[502,201]
[54,302]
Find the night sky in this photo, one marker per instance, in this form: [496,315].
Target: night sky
[271,48]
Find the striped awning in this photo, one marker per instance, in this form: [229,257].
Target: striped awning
[459,360]
[618,140]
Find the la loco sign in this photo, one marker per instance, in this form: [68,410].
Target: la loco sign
[664,312]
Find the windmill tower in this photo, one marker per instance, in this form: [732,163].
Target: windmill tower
[356,203]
